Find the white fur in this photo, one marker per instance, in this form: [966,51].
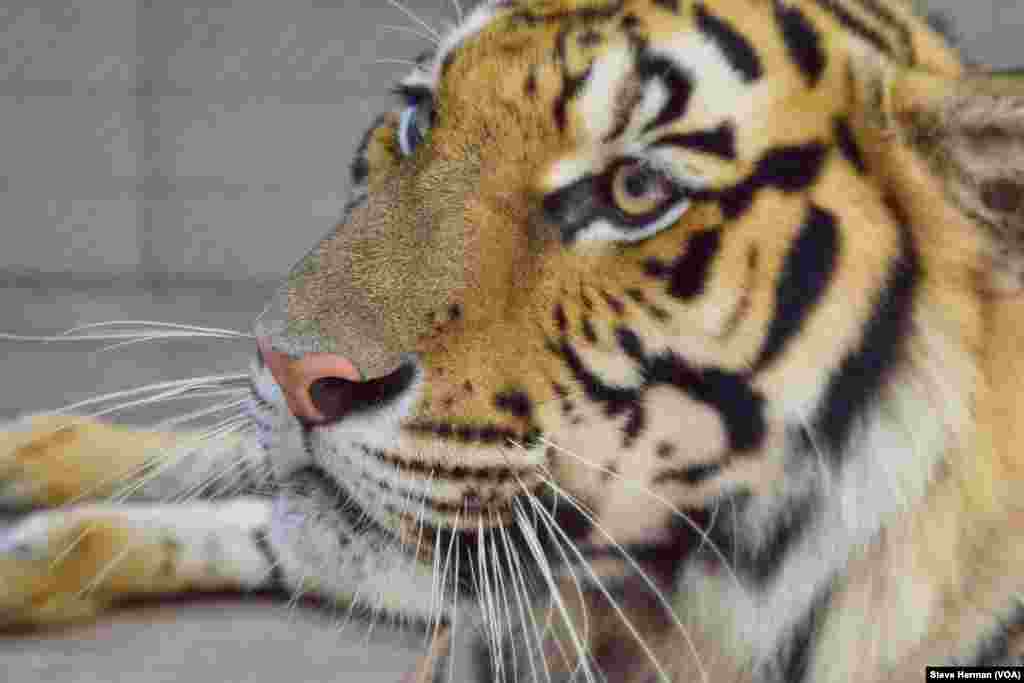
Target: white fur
[597,102]
[893,456]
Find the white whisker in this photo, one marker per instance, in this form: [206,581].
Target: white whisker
[459,15]
[438,577]
[158,324]
[410,31]
[149,335]
[533,544]
[103,573]
[525,613]
[488,605]
[496,564]
[223,428]
[165,397]
[210,381]
[405,62]
[204,412]
[412,15]
[455,600]
[676,512]
[130,474]
[658,593]
[553,526]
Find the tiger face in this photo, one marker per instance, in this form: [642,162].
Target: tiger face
[630,254]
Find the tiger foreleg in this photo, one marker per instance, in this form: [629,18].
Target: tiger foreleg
[59,566]
[53,460]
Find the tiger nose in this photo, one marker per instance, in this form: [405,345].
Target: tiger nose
[319,387]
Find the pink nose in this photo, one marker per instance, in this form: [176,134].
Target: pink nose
[300,380]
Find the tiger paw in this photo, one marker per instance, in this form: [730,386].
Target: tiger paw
[52,570]
[53,460]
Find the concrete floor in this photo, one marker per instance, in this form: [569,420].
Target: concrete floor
[222,639]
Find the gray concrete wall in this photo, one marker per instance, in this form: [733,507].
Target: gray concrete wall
[205,139]
[209,139]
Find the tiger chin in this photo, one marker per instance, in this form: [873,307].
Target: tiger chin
[661,340]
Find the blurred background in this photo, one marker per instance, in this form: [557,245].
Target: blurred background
[169,160]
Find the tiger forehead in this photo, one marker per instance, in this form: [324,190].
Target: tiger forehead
[806,29]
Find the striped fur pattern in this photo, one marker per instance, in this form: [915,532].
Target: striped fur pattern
[691,354]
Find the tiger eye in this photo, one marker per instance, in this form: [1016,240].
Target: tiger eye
[637,188]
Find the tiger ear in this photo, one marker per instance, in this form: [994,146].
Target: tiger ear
[969,132]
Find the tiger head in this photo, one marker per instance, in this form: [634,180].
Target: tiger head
[655,275]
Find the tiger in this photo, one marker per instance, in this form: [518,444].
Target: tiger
[661,340]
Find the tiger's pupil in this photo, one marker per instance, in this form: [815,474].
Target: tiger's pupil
[639,189]
[639,182]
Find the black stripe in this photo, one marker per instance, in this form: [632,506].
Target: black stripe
[848,144]
[677,82]
[788,169]
[803,42]
[806,273]
[447,62]
[275,576]
[560,318]
[883,14]
[530,86]
[742,309]
[571,84]
[515,402]
[720,141]
[857,381]
[739,405]
[689,272]
[855,25]
[616,400]
[469,433]
[794,658]
[691,475]
[498,474]
[570,89]
[353,205]
[360,167]
[758,555]
[670,5]
[734,46]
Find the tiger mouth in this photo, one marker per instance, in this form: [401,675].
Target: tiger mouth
[488,498]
